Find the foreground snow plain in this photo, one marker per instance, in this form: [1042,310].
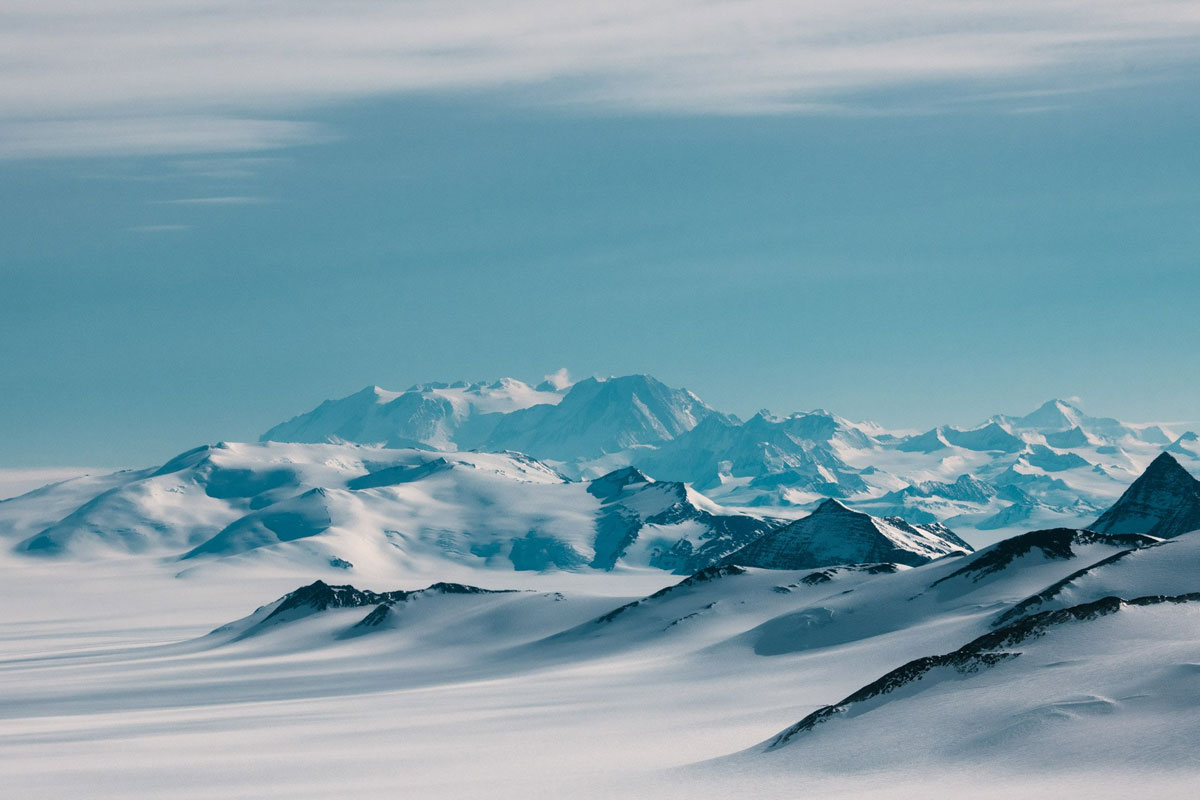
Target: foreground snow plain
[112,686]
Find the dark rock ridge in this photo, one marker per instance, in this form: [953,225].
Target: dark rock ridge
[703,576]
[1053,543]
[982,653]
[319,596]
[1030,604]
[392,476]
[1163,502]
[834,534]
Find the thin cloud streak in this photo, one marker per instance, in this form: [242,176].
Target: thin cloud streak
[149,136]
[217,201]
[159,228]
[139,71]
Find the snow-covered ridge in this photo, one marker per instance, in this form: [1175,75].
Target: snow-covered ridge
[1056,465]
[378,511]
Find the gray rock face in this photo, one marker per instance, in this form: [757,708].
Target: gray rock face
[1163,502]
[835,534]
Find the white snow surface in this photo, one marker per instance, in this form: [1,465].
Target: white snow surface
[130,671]
[123,678]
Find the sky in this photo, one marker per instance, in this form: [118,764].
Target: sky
[214,215]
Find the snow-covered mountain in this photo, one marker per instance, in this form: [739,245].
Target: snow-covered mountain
[352,506]
[432,415]
[835,534]
[1056,465]
[597,418]
[799,452]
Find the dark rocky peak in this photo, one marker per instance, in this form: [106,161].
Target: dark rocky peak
[612,484]
[1163,502]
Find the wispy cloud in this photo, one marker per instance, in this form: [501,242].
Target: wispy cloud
[141,136]
[159,228]
[232,200]
[210,76]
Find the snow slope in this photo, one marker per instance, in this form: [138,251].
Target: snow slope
[560,689]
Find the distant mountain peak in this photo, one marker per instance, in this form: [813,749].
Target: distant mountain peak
[1052,414]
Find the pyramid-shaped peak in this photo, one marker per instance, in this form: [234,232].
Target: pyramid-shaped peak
[1164,468]
[1054,414]
[1164,502]
[610,485]
[836,534]
[833,506]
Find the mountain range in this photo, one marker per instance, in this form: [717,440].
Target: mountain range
[468,616]
[1056,465]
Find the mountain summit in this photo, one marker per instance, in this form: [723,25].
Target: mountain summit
[1164,502]
[835,534]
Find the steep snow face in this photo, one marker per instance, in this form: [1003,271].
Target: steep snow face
[799,451]
[1163,502]
[989,437]
[598,417]
[834,534]
[434,415]
[1187,446]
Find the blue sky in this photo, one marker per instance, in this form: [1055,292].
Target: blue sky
[212,221]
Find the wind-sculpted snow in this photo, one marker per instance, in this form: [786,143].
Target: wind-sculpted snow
[671,675]
[985,652]
[1168,567]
